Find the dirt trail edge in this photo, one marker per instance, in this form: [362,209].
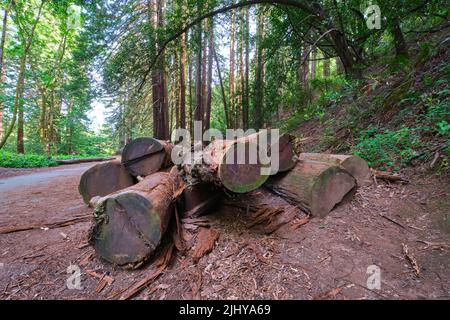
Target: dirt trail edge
[357,252]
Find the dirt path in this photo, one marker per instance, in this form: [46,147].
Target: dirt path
[326,258]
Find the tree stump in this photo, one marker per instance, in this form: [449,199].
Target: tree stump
[315,187]
[103,179]
[144,156]
[355,165]
[129,224]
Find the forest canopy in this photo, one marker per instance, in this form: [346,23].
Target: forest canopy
[157,65]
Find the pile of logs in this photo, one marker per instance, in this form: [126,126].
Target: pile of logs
[135,199]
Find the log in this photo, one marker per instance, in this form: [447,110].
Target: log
[286,154]
[315,187]
[82,160]
[387,176]
[103,179]
[265,209]
[218,164]
[199,199]
[355,165]
[129,224]
[144,156]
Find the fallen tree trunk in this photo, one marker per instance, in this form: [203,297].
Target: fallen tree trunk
[264,209]
[387,176]
[315,187]
[355,165]
[103,179]
[129,224]
[286,155]
[82,160]
[233,164]
[144,156]
[199,199]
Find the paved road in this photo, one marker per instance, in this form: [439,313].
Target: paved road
[41,177]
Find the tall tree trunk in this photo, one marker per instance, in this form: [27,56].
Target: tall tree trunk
[241,117]
[314,63]
[305,66]
[246,102]
[204,70]
[182,95]
[232,65]
[21,78]
[258,99]
[210,66]
[2,71]
[401,49]
[326,68]
[20,145]
[17,100]
[222,88]
[159,82]
[339,66]
[191,122]
[198,114]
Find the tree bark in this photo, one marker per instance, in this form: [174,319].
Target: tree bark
[21,78]
[258,99]
[246,102]
[159,83]
[2,67]
[130,224]
[144,156]
[313,186]
[198,114]
[103,179]
[326,68]
[210,68]
[401,49]
[232,66]
[240,119]
[20,145]
[182,94]
[222,89]
[314,63]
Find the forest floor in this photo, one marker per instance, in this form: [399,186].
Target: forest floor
[322,259]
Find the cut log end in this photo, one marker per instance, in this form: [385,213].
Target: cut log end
[129,224]
[287,157]
[127,230]
[103,179]
[330,189]
[355,165]
[245,173]
[144,156]
[315,187]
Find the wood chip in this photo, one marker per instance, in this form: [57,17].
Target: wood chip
[161,264]
[330,294]
[411,259]
[51,225]
[206,240]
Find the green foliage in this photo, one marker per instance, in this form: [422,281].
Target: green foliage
[14,160]
[387,149]
[31,160]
